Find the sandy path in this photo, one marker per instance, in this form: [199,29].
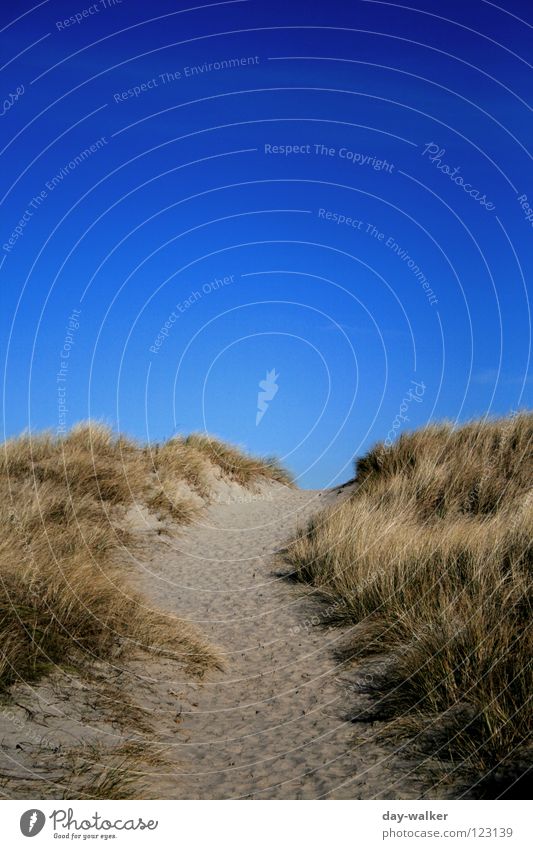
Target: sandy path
[273,724]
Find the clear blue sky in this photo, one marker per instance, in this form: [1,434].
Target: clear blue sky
[302,155]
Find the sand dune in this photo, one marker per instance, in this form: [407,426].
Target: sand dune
[273,723]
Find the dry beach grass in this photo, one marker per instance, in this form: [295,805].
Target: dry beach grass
[430,559]
[64,594]
[71,509]
[425,559]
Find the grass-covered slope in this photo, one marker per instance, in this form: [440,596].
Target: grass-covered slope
[431,558]
[64,594]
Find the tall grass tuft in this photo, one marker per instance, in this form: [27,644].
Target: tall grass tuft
[235,465]
[431,558]
[64,594]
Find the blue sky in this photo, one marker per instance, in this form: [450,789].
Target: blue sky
[192,198]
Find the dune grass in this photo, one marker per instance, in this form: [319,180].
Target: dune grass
[89,771]
[430,558]
[64,594]
[236,465]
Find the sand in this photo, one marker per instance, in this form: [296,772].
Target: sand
[275,723]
